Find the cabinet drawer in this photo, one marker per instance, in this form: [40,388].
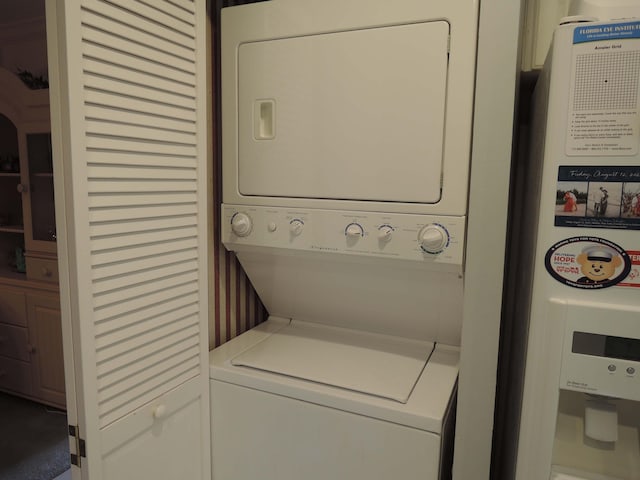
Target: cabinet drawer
[14,342]
[13,307]
[15,376]
[42,269]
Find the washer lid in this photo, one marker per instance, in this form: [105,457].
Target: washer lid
[370,363]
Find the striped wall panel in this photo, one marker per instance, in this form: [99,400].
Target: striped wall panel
[236,308]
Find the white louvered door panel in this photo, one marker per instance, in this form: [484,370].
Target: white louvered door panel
[128,107]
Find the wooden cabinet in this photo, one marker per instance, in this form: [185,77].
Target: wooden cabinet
[27,214]
[31,360]
[45,335]
[15,368]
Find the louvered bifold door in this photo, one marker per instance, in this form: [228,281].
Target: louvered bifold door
[130,147]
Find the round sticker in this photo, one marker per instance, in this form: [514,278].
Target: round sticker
[587,262]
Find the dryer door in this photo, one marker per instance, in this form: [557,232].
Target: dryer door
[353,115]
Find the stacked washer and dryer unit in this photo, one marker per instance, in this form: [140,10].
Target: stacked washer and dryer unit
[346,151]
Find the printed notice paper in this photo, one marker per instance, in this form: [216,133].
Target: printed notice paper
[604,118]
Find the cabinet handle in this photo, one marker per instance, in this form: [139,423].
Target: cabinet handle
[3,339]
[160,411]
[22,188]
[2,373]
[46,272]
[31,348]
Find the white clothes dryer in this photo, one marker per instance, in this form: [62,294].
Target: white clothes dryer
[346,139]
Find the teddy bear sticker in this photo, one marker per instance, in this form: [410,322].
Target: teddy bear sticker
[588,262]
[598,263]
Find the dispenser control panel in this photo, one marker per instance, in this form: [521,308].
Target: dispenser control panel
[426,238]
[602,350]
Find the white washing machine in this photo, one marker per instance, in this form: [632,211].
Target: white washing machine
[346,142]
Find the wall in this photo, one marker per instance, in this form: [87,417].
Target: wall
[236,305]
[22,45]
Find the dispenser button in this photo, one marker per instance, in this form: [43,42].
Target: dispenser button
[631,371]
[611,368]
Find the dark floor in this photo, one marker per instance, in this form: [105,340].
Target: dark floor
[33,440]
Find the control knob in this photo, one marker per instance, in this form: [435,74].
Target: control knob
[385,232]
[295,226]
[433,238]
[241,224]
[354,230]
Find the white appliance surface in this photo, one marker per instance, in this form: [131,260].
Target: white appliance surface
[368,110]
[594,371]
[361,361]
[565,476]
[257,435]
[564,473]
[604,9]
[586,94]
[296,428]
[344,115]
[346,142]
[424,410]
[371,234]
[306,265]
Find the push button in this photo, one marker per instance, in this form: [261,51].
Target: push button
[631,371]
[612,368]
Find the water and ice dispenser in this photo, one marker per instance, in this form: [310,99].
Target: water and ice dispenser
[596,434]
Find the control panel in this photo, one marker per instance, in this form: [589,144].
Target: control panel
[425,238]
[602,350]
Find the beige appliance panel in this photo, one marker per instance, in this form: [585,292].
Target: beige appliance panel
[349,115]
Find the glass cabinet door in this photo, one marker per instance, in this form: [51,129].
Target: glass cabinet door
[11,215]
[41,236]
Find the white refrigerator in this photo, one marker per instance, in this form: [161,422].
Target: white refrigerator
[578,260]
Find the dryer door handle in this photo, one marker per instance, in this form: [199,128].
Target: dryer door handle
[264,123]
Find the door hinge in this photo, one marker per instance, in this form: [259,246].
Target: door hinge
[81,448]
